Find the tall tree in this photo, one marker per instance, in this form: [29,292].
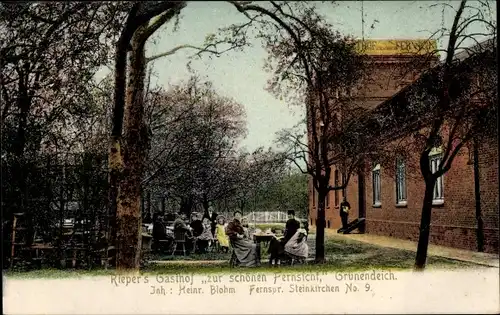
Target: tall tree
[48,55]
[195,134]
[256,172]
[458,103]
[126,157]
[449,107]
[316,66]
[144,18]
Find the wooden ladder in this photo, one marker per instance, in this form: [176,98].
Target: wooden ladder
[16,241]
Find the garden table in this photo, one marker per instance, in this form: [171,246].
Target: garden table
[258,238]
[40,248]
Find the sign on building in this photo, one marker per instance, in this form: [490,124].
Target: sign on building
[387,47]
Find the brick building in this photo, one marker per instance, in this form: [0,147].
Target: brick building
[391,202]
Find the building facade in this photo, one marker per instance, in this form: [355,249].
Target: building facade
[465,206]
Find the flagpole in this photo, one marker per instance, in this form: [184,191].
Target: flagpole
[362,22]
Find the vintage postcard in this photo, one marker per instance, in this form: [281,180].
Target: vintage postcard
[249,157]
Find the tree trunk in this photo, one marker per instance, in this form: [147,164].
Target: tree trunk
[425,225]
[163,200]
[20,165]
[115,154]
[320,229]
[186,205]
[206,205]
[136,144]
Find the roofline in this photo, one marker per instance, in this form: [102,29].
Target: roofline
[476,47]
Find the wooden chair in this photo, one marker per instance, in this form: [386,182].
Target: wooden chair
[179,239]
[215,247]
[164,245]
[233,261]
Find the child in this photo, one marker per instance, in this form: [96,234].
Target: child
[220,234]
[206,237]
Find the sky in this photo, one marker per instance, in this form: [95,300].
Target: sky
[240,75]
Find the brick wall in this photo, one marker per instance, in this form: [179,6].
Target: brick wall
[383,82]
[453,223]
[488,181]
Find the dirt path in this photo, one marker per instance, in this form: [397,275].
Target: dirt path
[486,259]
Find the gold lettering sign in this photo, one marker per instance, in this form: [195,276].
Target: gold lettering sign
[396,47]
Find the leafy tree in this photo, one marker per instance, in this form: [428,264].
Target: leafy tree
[457,101]
[195,134]
[129,136]
[312,64]
[49,53]
[256,173]
[449,107]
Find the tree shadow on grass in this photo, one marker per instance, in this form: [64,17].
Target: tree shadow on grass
[358,255]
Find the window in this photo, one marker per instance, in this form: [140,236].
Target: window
[435,161]
[376,185]
[400,181]
[336,185]
[327,199]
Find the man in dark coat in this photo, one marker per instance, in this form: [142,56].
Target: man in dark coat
[159,231]
[211,215]
[345,207]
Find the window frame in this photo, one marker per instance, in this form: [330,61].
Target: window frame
[401,182]
[436,158]
[376,184]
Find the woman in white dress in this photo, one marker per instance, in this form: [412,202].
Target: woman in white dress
[297,246]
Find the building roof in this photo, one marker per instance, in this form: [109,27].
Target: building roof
[488,44]
[396,115]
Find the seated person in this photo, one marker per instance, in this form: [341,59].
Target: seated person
[245,250]
[220,233]
[291,227]
[196,224]
[297,247]
[180,226]
[305,225]
[276,249]
[206,237]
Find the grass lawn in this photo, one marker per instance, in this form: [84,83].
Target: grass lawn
[341,255]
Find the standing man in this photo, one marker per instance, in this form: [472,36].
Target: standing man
[211,215]
[159,231]
[345,207]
